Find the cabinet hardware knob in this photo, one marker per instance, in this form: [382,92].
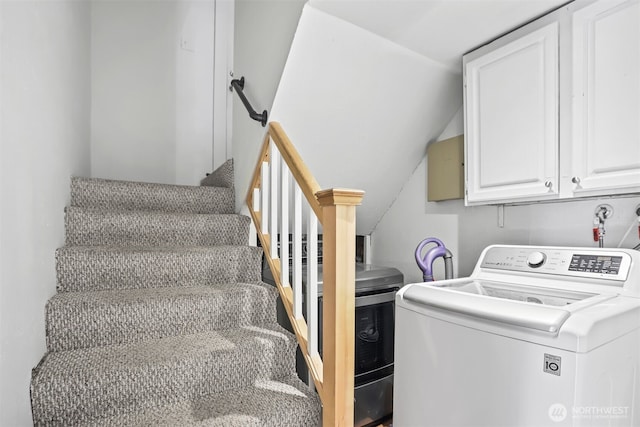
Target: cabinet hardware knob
[548,184]
[575,180]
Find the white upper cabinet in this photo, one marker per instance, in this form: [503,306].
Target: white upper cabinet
[552,110]
[606,98]
[511,120]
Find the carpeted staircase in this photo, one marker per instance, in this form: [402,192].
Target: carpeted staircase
[161,317]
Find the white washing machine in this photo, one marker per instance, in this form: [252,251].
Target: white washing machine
[536,336]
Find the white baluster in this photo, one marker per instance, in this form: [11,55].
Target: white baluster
[256,199]
[273,203]
[284,223]
[312,282]
[297,251]
[264,198]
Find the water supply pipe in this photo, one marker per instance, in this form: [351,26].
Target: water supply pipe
[426,262]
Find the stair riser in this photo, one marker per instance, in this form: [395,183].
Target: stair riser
[122,195]
[90,392]
[91,228]
[86,268]
[78,321]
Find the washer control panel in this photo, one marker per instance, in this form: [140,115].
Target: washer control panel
[606,264]
[579,262]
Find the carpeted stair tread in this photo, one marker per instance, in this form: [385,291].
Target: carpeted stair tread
[90,227]
[221,177]
[126,195]
[161,317]
[285,402]
[98,318]
[77,385]
[82,268]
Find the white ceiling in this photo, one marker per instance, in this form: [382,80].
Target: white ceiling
[441,30]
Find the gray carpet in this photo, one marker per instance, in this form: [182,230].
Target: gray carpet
[160,316]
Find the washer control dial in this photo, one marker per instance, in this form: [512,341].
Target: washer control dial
[536,259]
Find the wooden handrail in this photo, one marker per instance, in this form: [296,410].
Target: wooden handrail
[299,170]
[333,374]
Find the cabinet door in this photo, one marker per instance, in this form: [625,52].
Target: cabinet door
[511,118]
[606,98]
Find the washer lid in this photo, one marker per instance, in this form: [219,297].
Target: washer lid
[529,307]
[524,293]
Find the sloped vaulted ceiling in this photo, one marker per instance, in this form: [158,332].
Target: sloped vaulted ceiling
[368,84]
[442,30]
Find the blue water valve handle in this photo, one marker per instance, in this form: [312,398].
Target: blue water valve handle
[426,263]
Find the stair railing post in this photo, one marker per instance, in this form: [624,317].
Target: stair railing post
[339,231]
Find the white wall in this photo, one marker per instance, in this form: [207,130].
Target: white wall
[264,30]
[44,102]
[468,230]
[361,109]
[194,78]
[222,96]
[152,90]
[327,57]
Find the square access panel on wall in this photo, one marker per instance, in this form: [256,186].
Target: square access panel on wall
[445,169]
